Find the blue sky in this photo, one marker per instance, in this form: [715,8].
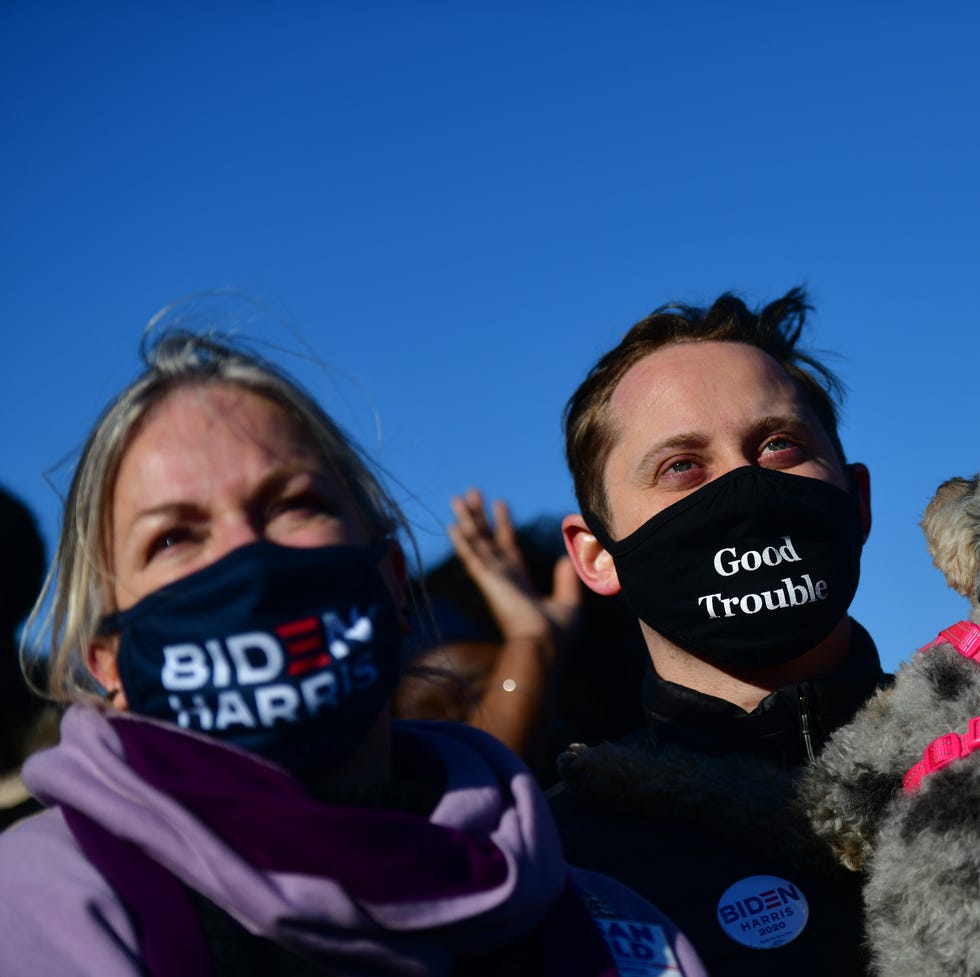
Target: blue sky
[452,208]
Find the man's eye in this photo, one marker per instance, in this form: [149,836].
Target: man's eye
[679,467]
[779,444]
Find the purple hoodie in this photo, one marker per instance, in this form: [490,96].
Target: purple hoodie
[360,890]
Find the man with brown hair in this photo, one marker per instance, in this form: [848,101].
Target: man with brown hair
[716,499]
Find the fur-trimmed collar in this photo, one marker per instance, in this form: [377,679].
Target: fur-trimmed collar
[647,777]
[700,755]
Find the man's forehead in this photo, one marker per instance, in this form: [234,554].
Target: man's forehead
[679,379]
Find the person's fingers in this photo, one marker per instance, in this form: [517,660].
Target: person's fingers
[491,556]
[464,539]
[461,511]
[504,533]
[473,499]
[470,535]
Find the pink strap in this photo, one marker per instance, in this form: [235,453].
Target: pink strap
[964,636]
[941,752]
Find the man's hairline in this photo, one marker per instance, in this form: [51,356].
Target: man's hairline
[609,436]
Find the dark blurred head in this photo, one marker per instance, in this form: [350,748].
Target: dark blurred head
[22,568]
[22,561]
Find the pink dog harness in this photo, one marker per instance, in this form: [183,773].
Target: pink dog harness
[942,751]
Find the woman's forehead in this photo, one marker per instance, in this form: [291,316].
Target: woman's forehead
[209,434]
[228,409]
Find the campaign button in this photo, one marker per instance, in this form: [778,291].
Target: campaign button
[763,912]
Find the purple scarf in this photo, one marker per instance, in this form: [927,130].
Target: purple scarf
[394,892]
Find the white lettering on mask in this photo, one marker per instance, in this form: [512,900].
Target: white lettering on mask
[256,656]
[276,703]
[790,594]
[340,635]
[727,561]
[250,659]
[185,667]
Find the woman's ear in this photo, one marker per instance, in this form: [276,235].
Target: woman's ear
[593,563]
[102,662]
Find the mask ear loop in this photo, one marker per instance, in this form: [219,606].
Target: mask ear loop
[598,530]
[108,625]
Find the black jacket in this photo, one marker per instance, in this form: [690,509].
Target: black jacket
[697,812]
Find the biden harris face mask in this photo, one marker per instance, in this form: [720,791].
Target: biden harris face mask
[288,652]
[753,569]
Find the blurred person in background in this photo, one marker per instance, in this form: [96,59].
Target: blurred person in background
[507,641]
[27,722]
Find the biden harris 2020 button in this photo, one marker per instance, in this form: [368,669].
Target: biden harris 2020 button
[763,912]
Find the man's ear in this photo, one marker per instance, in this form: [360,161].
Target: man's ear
[102,662]
[861,479]
[592,561]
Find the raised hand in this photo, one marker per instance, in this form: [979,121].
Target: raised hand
[516,702]
[492,557]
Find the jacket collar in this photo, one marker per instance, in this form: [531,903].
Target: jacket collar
[781,725]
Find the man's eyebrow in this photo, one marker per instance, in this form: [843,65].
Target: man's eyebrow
[686,440]
[776,421]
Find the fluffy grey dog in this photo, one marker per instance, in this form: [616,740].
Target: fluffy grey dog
[919,850]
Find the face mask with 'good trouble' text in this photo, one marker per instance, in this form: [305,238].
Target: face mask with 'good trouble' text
[753,569]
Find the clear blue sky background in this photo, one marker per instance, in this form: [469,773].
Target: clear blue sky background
[460,205]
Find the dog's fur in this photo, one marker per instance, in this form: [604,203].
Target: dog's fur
[920,852]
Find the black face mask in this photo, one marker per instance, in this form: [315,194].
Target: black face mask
[754,569]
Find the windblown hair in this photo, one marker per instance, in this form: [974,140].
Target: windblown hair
[82,565]
[776,329]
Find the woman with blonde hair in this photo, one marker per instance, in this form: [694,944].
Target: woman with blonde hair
[229,794]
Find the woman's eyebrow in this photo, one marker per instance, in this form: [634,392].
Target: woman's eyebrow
[177,509]
[275,480]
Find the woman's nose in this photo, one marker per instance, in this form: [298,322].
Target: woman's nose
[233,532]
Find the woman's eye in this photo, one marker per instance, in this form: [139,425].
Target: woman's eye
[168,540]
[298,505]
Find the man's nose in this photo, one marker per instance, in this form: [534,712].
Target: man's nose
[732,460]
